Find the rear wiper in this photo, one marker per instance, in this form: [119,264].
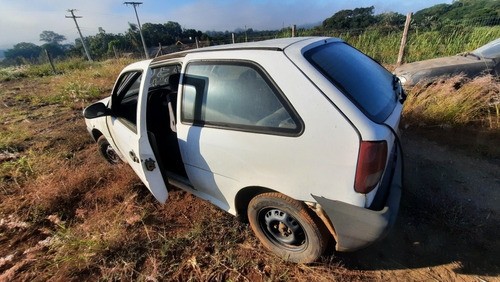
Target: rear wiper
[396,85]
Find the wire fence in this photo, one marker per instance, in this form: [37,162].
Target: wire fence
[427,37]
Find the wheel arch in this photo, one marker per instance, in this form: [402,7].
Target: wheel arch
[95,133]
[245,195]
[243,198]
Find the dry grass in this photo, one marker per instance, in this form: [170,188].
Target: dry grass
[455,101]
[65,214]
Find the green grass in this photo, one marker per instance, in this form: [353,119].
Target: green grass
[66,66]
[432,44]
[384,45]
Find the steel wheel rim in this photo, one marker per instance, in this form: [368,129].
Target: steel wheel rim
[110,152]
[282,229]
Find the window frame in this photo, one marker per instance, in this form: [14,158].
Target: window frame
[192,80]
[383,113]
[120,92]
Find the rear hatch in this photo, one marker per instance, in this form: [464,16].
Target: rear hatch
[378,95]
[361,79]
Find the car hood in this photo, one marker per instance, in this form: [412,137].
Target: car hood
[468,65]
[457,60]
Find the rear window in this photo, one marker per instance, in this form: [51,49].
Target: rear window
[365,82]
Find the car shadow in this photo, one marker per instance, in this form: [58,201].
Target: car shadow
[432,231]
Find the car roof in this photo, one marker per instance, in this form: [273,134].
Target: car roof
[273,44]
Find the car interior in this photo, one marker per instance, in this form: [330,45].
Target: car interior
[160,122]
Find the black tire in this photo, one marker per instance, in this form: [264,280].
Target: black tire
[287,227]
[107,151]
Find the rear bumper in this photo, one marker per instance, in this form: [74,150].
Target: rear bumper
[358,227]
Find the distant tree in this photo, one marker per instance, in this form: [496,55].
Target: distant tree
[101,45]
[51,37]
[191,34]
[155,34]
[23,52]
[390,19]
[460,13]
[55,50]
[133,37]
[358,18]
[167,34]
[174,29]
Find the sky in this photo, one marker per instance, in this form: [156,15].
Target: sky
[24,20]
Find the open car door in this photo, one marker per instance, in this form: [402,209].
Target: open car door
[128,127]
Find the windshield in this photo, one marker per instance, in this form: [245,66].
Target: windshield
[490,50]
[365,82]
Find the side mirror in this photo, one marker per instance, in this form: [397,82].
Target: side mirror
[96,110]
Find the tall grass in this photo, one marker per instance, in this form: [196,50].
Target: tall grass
[455,101]
[66,66]
[384,45]
[431,44]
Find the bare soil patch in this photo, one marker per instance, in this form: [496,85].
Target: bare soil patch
[65,214]
[448,222]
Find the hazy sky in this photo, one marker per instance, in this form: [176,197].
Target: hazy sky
[24,20]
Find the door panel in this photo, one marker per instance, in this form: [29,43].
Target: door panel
[128,128]
[234,121]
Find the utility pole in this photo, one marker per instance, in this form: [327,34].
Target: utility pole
[81,36]
[135,4]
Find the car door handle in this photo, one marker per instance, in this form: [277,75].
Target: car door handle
[133,156]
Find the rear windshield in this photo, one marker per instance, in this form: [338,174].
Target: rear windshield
[365,82]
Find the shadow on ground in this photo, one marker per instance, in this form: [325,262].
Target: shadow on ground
[448,215]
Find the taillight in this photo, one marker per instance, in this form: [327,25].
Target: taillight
[371,163]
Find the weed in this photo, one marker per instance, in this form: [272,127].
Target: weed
[11,73]
[113,229]
[454,101]
[17,170]
[384,45]
[12,136]
[79,93]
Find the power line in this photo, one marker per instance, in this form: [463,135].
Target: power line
[79,32]
[134,4]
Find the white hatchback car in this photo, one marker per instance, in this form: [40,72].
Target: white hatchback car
[298,136]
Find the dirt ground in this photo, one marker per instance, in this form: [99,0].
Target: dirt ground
[447,230]
[449,221]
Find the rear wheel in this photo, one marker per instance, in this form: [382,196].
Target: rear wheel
[107,151]
[287,227]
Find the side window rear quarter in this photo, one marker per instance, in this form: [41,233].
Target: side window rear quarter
[236,96]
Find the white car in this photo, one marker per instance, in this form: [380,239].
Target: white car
[298,136]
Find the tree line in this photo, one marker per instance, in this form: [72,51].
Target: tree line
[103,44]
[459,14]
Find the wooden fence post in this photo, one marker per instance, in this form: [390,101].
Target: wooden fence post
[50,61]
[403,40]
[116,53]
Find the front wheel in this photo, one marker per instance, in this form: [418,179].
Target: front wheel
[287,227]
[107,151]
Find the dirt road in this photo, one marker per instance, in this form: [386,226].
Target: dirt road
[449,225]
